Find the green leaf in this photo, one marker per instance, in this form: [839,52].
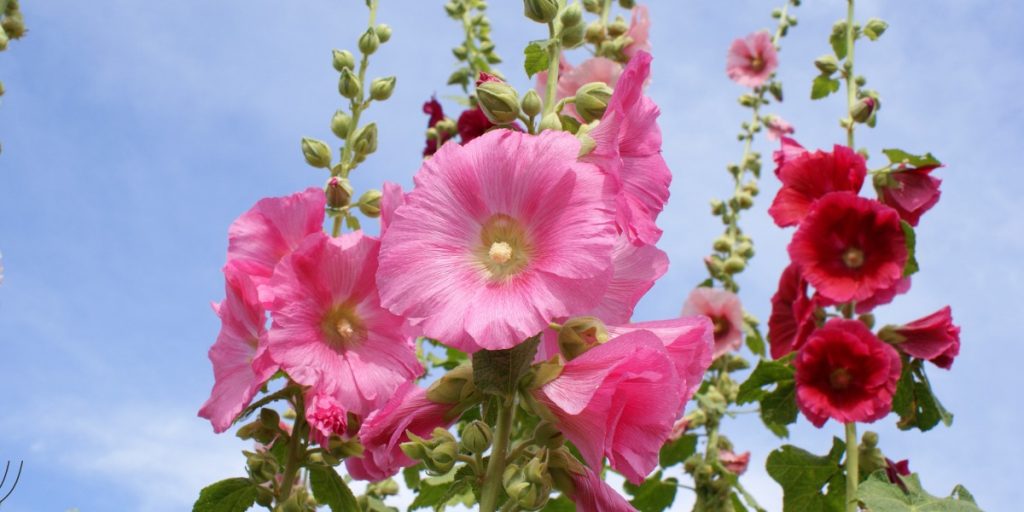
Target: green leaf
[838,39]
[898,156]
[755,342]
[778,408]
[498,371]
[231,495]
[802,476]
[911,267]
[536,57]
[560,504]
[823,86]
[881,495]
[766,373]
[411,475]
[914,401]
[329,489]
[675,452]
[737,503]
[430,495]
[653,494]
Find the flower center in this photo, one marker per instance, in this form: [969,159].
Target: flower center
[720,324]
[840,379]
[853,258]
[757,63]
[504,249]
[500,252]
[342,327]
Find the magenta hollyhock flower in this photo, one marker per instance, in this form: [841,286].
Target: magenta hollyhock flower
[271,230]
[592,494]
[391,197]
[788,150]
[933,337]
[726,313]
[778,128]
[811,175]
[383,432]
[792,319]
[325,415]
[628,149]
[846,373]
[619,400]
[911,192]
[884,296]
[635,268]
[499,237]
[849,247]
[735,463]
[752,60]
[639,32]
[241,363]
[329,330]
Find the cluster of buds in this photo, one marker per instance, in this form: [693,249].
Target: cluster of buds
[608,37]
[529,486]
[566,21]
[12,24]
[836,66]
[438,453]
[476,53]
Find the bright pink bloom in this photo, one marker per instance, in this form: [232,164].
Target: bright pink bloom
[846,373]
[240,360]
[809,176]
[849,247]
[639,32]
[792,319]
[735,463]
[326,416]
[330,331]
[635,269]
[778,128]
[883,296]
[592,494]
[628,148]
[391,198]
[752,60]
[271,230]
[789,150]
[726,313]
[499,237]
[911,192]
[387,428]
[619,400]
[933,337]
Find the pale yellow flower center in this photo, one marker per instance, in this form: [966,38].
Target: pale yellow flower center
[342,327]
[504,249]
[853,258]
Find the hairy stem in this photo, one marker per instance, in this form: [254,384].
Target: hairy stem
[496,465]
[296,452]
[851,84]
[554,57]
[852,467]
[357,104]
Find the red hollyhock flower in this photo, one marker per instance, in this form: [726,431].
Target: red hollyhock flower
[790,150]
[846,373]
[933,337]
[472,124]
[809,175]
[849,247]
[792,319]
[894,470]
[433,109]
[911,192]
[883,296]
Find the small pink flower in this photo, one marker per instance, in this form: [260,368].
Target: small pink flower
[326,417]
[752,60]
[912,192]
[639,32]
[726,313]
[592,494]
[934,338]
[329,330]
[240,360]
[735,463]
[778,128]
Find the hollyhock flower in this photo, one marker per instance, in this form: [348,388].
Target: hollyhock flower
[752,60]
[592,494]
[845,373]
[811,175]
[628,148]
[792,319]
[789,150]
[271,230]
[635,268]
[726,313]
[499,237]
[240,360]
[383,432]
[735,463]
[778,128]
[433,109]
[910,192]
[330,331]
[849,247]
[570,79]
[472,123]
[619,400]
[326,416]
[639,32]
[894,470]
[391,198]
[933,337]
[679,429]
[689,342]
[883,296]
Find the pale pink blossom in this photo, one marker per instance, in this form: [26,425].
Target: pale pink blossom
[736,463]
[639,32]
[499,237]
[726,313]
[752,60]
[329,330]
[241,363]
[777,128]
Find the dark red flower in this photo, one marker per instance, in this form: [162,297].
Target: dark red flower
[433,109]
[808,176]
[911,192]
[472,124]
[846,373]
[933,337]
[790,150]
[849,247]
[894,470]
[792,318]
[884,296]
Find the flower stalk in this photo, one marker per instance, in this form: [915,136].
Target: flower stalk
[852,465]
[496,465]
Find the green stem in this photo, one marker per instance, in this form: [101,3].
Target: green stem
[296,452]
[356,104]
[336,229]
[496,465]
[554,57]
[852,467]
[783,22]
[606,11]
[851,84]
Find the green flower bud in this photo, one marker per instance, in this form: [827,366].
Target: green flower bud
[14,25]
[499,101]
[381,88]
[570,123]
[864,109]
[342,448]
[875,28]
[717,207]
[827,64]
[867,319]
[745,200]
[369,42]
[383,32]
[775,88]
[618,27]
[548,435]
[341,123]
[366,140]
[486,47]
[438,453]
[343,59]
[459,76]
[338,191]
[572,15]
[745,249]
[1,88]
[541,11]
[734,265]
[722,244]
[748,100]
[453,10]
[262,466]
[595,32]
[572,36]
[3,39]
[581,334]
[460,52]
[476,437]
[531,103]
[550,121]
[316,153]
[452,387]
[627,4]
[369,203]
[592,100]
[530,486]
[348,85]
[593,6]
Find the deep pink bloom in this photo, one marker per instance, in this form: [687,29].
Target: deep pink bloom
[329,330]
[778,128]
[752,60]
[387,428]
[894,470]
[271,230]
[933,337]
[592,494]
[735,463]
[726,313]
[884,296]
[433,109]
[391,198]
[325,415]
[635,269]
[811,175]
[628,149]
[619,400]
[788,150]
[240,360]
[910,191]
[845,373]
[499,237]
[639,32]
[792,319]
[849,247]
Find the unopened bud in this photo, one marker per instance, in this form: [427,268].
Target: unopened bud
[863,109]
[383,32]
[369,41]
[748,100]
[453,386]
[572,36]
[499,101]
[348,84]
[627,4]
[341,124]
[581,334]
[722,244]
[476,437]
[343,59]
[875,28]
[338,191]
[775,88]
[550,121]
[316,153]
[366,140]
[867,319]
[342,448]
[595,32]
[14,25]
[618,27]
[460,52]
[745,200]
[714,265]
[734,265]
[381,88]
[531,103]
[827,64]
[541,11]
[592,100]
[717,207]
[369,203]
[572,15]
[548,435]
[530,486]
[262,466]
[593,6]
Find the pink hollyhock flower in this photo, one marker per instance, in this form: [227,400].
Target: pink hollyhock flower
[883,296]
[679,429]
[849,247]
[809,176]
[628,149]
[330,331]
[635,268]
[933,337]
[726,313]
[326,416]
[499,237]
[792,319]
[789,150]
[752,60]
[391,198]
[271,230]
[240,360]
[619,400]
[592,494]
[433,109]
[735,463]
[911,192]
[778,128]
[845,373]
[639,32]
[383,432]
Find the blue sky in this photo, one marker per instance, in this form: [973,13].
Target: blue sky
[134,133]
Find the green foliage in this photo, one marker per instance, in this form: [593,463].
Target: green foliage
[497,372]
[653,494]
[823,86]
[440,491]
[838,39]
[755,342]
[778,406]
[329,489]
[231,495]
[911,266]
[536,57]
[898,156]
[675,452]
[560,504]
[881,495]
[802,476]
[915,403]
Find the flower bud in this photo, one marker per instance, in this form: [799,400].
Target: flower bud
[593,6]
[1,88]
[714,265]
[499,101]
[383,32]
[452,387]
[541,11]
[369,203]
[775,88]
[262,466]
[550,121]
[460,52]
[864,109]
[595,32]
[348,84]
[343,59]
[476,437]
[717,207]
[569,123]
[548,435]
[572,36]
[338,191]
[342,448]
[722,244]
[381,88]
[531,103]
[581,334]
[827,64]
[529,486]
[369,41]
[618,27]
[745,200]
[14,25]
[341,123]
[734,265]
[592,100]
[317,153]
[366,140]
[572,15]
[3,39]
[873,29]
